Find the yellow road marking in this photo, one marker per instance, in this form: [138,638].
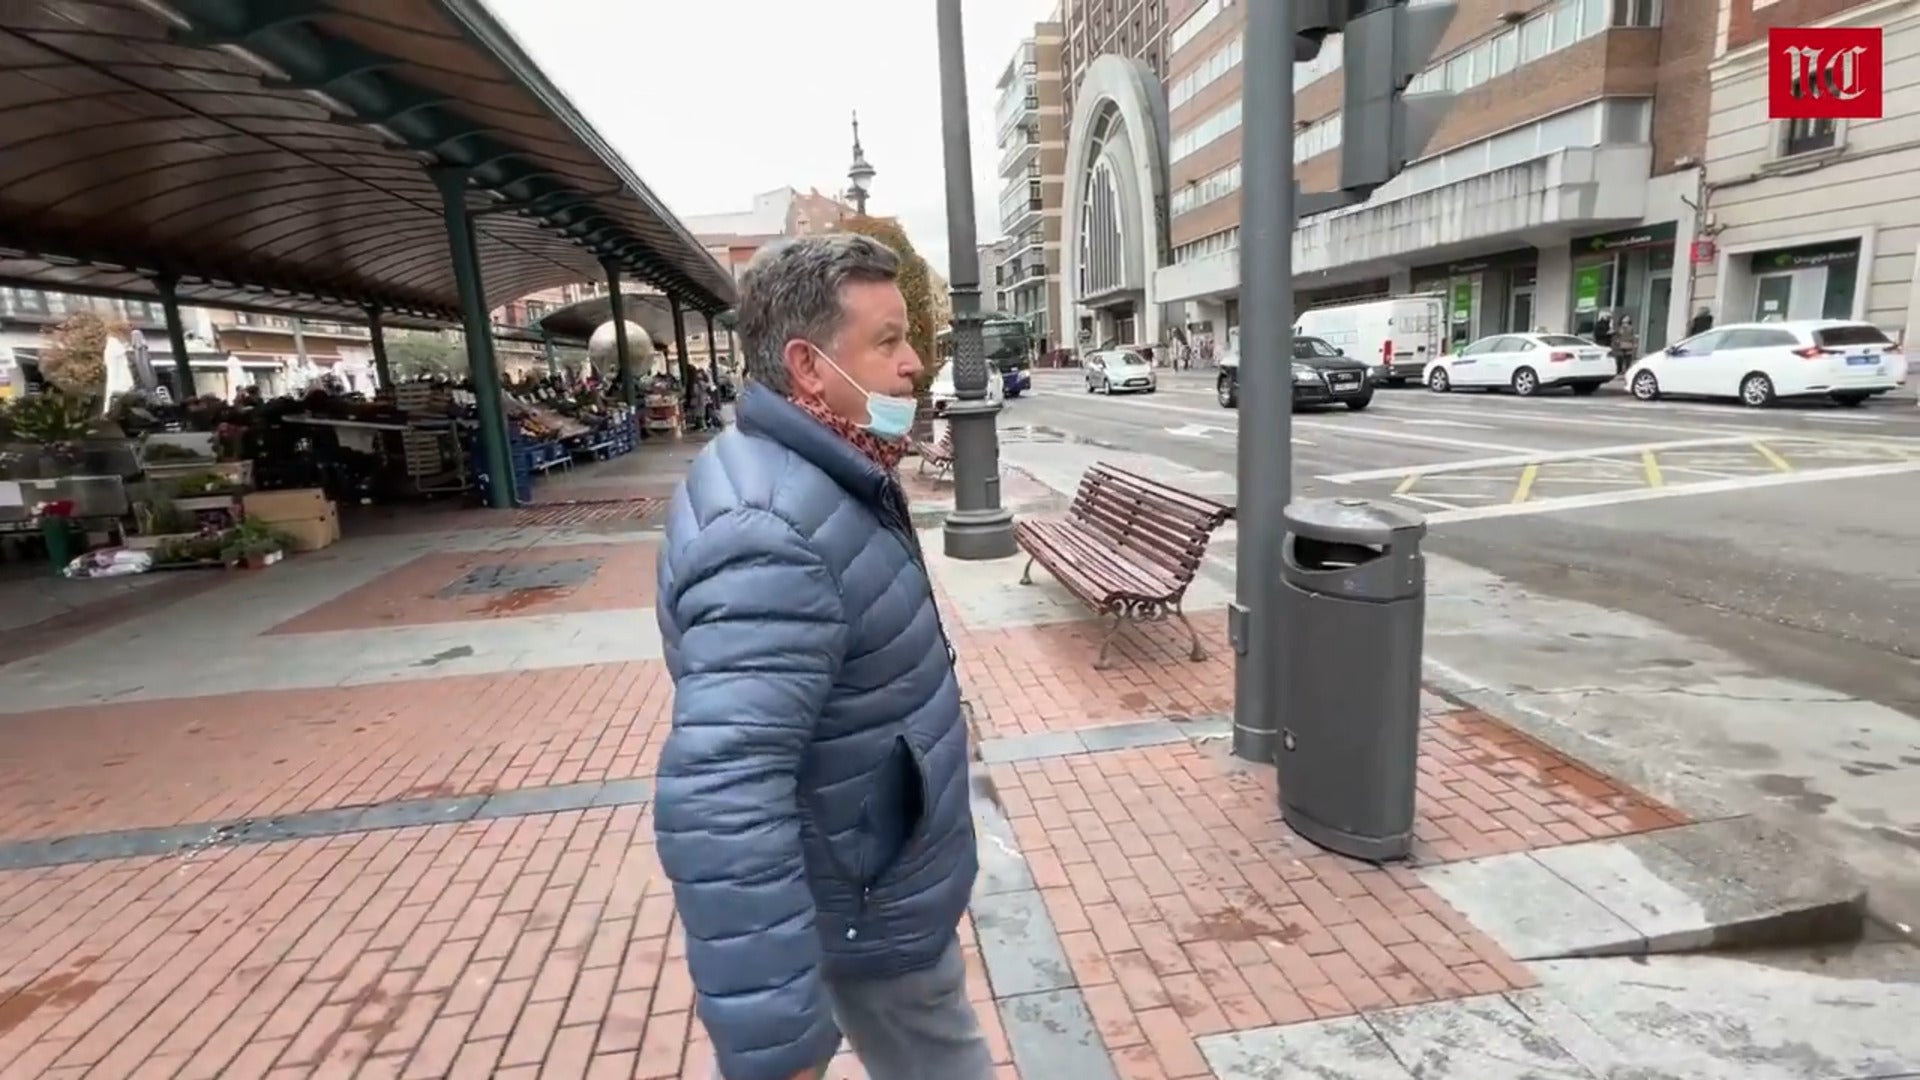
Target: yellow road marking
[1652,465]
[1406,485]
[1527,476]
[1773,459]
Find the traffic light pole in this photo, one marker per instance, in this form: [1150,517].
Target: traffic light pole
[1265,448]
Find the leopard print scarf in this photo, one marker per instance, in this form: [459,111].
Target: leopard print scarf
[885,454]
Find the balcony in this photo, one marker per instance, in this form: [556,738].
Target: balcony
[47,308]
[1021,248]
[1017,111]
[283,324]
[1018,150]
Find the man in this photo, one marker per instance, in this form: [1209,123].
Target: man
[812,807]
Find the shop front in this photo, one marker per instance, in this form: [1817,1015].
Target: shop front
[1814,281]
[1493,294]
[1355,292]
[1624,273]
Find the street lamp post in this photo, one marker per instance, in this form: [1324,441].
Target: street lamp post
[860,173]
[979,527]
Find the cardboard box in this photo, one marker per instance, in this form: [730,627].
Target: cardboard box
[275,507]
[313,534]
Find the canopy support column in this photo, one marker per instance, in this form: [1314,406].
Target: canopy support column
[495,449]
[629,389]
[680,348]
[177,335]
[381,369]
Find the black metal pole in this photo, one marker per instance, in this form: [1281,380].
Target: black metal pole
[629,392]
[680,348]
[377,338]
[1265,450]
[979,527]
[177,336]
[495,444]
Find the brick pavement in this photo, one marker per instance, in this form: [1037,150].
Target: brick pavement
[545,943]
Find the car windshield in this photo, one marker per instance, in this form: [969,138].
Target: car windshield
[1126,359]
[1309,348]
[1566,341]
[1858,334]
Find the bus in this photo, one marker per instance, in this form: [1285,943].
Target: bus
[1008,344]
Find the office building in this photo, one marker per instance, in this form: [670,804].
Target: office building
[1030,116]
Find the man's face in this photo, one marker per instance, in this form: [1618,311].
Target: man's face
[872,349]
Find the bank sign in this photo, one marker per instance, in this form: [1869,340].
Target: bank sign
[1825,73]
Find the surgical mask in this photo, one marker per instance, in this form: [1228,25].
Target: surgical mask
[888,417]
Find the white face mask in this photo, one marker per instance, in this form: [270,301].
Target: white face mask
[888,417]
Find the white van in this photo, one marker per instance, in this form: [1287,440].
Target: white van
[1394,337]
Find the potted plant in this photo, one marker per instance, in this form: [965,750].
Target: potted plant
[57,423]
[253,545]
[56,529]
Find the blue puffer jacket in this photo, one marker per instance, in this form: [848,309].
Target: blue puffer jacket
[812,798]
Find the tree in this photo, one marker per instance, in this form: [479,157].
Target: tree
[916,287]
[73,356]
[417,354]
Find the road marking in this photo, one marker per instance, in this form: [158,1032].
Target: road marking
[1634,495]
[1652,466]
[1445,423]
[1407,484]
[1355,429]
[1773,459]
[1525,488]
[1535,458]
[1875,420]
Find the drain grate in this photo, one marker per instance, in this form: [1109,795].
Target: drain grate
[513,577]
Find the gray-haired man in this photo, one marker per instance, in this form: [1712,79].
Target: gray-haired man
[812,806]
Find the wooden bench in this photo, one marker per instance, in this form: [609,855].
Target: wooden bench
[937,454]
[1128,547]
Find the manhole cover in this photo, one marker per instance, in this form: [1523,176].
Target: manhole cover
[510,577]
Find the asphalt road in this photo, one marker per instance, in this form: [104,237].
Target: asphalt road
[1789,536]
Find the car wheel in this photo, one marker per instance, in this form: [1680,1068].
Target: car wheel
[1361,402]
[1525,382]
[1089,386]
[1226,392]
[1646,386]
[1756,391]
[1438,381]
[1106,387]
[1851,401]
[1585,389]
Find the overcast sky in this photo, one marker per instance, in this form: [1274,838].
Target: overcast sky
[715,100]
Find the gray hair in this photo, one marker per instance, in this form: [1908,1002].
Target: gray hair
[791,290]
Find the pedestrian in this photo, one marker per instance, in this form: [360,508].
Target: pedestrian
[1625,345]
[1702,322]
[812,798]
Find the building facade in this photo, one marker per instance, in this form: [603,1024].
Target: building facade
[1031,133]
[1810,219]
[1559,192]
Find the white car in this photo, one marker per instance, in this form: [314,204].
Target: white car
[943,394]
[1759,363]
[1120,371]
[1523,363]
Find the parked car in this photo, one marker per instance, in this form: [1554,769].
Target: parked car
[1120,371]
[1394,337]
[942,392]
[1523,363]
[1760,363]
[1322,375]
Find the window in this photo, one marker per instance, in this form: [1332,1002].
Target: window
[1636,12]
[1843,336]
[1702,345]
[1755,339]
[1808,137]
[1593,16]
[1223,60]
[1205,190]
[1535,37]
[1306,348]
[1320,137]
[1506,52]
[1567,341]
[1566,25]
[1204,132]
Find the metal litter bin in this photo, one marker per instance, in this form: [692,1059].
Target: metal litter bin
[1355,587]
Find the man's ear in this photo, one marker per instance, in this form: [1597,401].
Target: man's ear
[803,369]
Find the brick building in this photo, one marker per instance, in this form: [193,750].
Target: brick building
[1560,186]
[1810,219]
[1032,138]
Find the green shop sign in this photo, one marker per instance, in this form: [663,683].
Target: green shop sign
[1463,301]
[1586,287]
[1801,258]
[1627,238]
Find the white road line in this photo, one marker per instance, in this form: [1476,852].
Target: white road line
[1355,428]
[1712,487]
[1441,423]
[1815,418]
[1538,458]
[1585,421]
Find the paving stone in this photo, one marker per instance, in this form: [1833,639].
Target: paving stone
[1052,1034]
[1344,1049]
[1019,943]
[1532,912]
[1483,1038]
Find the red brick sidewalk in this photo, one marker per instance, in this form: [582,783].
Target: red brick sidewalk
[544,944]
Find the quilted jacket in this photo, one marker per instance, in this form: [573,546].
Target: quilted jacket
[812,800]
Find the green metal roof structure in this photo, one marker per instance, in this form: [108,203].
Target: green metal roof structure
[275,156]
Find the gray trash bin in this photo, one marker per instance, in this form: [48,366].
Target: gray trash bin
[1355,586]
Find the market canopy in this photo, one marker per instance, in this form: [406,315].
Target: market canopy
[581,318]
[275,156]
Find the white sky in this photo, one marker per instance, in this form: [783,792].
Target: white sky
[712,101]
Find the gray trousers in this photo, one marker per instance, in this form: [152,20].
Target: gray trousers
[918,1026]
